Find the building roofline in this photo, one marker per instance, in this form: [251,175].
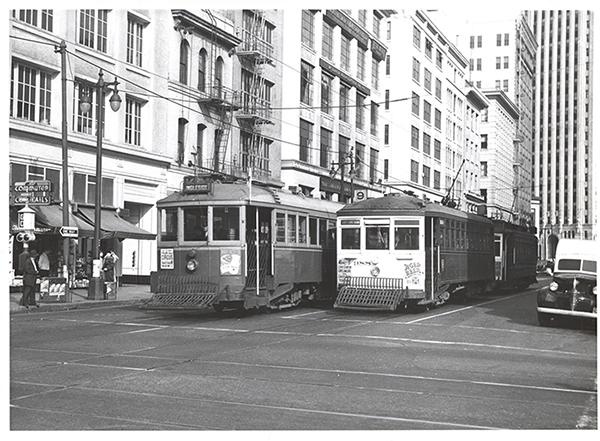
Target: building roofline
[504,100]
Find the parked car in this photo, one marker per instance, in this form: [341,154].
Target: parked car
[572,291]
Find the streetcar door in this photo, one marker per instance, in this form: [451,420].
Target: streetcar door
[431,257]
[498,256]
[264,245]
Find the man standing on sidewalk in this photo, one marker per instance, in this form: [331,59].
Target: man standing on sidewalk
[30,273]
[44,264]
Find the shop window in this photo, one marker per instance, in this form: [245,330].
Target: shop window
[22,173]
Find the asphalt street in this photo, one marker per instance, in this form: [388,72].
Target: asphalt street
[482,364]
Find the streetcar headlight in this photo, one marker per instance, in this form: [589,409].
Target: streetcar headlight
[553,286]
[594,290]
[192,265]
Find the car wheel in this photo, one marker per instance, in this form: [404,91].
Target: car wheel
[544,319]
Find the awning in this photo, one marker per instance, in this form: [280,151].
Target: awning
[48,220]
[111,225]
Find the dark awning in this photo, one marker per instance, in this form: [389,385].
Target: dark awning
[112,225]
[48,220]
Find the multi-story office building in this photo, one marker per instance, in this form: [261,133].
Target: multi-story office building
[430,112]
[563,153]
[498,127]
[197,88]
[475,142]
[501,54]
[333,61]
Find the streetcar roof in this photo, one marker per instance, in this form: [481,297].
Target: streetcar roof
[239,194]
[395,204]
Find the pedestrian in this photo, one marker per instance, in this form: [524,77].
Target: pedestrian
[108,266]
[23,258]
[44,263]
[30,273]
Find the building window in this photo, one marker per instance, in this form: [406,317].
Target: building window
[497,84]
[389,30]
[426,112]
[376,25]
[436,179]
[305,140]
[438,58]
[374,118]
[416,70]
[256,158]
[327,48]
[373,161]
[343,144]
[344,92]
[506,39]
[359,160]
[498,63]
[426,144]
[438,119]
[181,129]
[426,176]
[202,57]
[345,53]
[428,48]
[30,16]
[93,28]
[326,93]
[22,173]
[505,62]
[387,65]
[360,63]
[437,149]
[308,28]
[414,137]
[414,171]
[84,122]
[375,73]
[360,111]
[415,103]
[472,42]
[135,31]
[386,169]
[427,79]
[479,42]
[31,93]
[387,99]
[478,64]
[417,37]
[184,50]
[505,85]
[386,134]
[306,82]
[498,39]
[438,89]
[326,148]
[484,142]
[133,121]
[200,128]
[484,168]
[84,189]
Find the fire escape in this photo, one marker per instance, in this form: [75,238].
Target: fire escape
[255,53]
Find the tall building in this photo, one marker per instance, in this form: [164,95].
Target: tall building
[331,114]
[501,54]
[433,113]
[563,153]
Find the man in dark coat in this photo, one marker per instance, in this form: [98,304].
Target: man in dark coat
[30,273]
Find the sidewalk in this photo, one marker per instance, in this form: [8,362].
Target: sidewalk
[127,294]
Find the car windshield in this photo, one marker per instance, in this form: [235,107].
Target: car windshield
[577,265]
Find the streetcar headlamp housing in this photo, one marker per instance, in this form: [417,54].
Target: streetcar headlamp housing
[192,265]
[553,286]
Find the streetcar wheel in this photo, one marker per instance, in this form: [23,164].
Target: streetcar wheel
[544,319]
[218,307]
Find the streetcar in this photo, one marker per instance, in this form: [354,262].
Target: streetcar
[400,251]
[211,253]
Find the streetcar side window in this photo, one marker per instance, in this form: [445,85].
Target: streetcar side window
[168,227]
[291,228]
[312,230]
[195,223]
[331,234]
[322,231]
[301,229]
[226,223]
[280,227]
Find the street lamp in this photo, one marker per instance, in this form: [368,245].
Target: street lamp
[95,288]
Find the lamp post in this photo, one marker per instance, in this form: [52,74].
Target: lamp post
[95,288]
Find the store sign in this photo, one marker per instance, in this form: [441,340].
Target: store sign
[196,184]
[32,193]
[167,258]
[69,231]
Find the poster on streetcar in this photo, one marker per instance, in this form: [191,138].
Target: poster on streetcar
[231,262]
[167,259]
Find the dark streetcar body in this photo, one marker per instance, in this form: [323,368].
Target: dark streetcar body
[209,250]
[515,255]
[399,250]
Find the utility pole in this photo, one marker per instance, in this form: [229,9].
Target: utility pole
[62,49]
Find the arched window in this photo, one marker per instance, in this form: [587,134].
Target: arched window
[184,51]
[219,75]
[182,123]
[202,71]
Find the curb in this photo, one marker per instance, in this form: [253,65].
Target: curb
[71,306]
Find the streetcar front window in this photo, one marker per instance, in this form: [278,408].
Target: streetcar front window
[280,227]
[195,224]
[226,223]
[377,237]
[351,238]
[406,238]
[168,225]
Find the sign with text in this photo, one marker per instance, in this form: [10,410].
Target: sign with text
[32,193]
[69,231]
[167,258]
[196,184]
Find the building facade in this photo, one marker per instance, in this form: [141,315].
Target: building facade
[563,153]
[331,109]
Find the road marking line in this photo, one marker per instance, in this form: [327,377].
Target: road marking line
[303,315]
[105,365]
[145,330]
[411,377]
[464,309]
